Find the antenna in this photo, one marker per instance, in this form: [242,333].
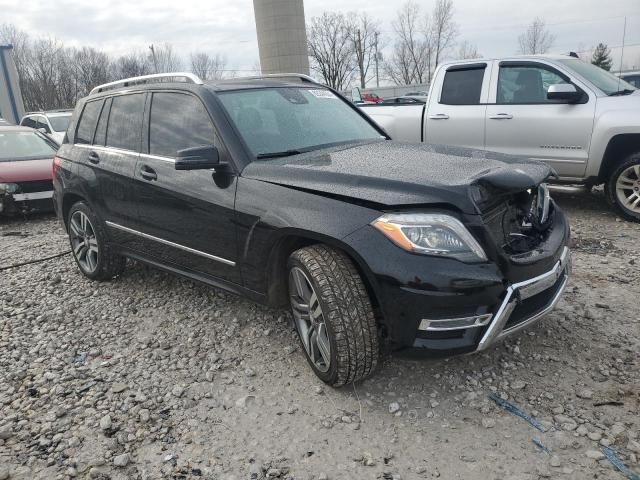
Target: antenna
[624,33]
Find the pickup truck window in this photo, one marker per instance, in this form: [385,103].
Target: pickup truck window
[293,119]
[523,84]
[462,86]
[605,81]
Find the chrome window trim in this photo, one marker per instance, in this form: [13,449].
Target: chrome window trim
[158,157]
[102,148]
[171,244]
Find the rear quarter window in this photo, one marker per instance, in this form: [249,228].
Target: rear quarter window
[87,122]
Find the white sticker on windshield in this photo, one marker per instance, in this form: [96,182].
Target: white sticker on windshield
[321,93]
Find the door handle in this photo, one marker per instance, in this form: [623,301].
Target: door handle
[439,116]
[93,157]
[501,116]
[148,173]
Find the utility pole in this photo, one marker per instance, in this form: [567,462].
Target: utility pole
[360,58]
[153,56]
[376,47]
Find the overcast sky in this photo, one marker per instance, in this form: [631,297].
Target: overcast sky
[227,26]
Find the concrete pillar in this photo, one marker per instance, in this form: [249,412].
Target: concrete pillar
[11,107]
[282,37]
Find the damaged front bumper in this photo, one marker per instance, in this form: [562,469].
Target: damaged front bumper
[528,301]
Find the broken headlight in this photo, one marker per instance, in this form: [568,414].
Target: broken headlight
[8,188]
[431,234]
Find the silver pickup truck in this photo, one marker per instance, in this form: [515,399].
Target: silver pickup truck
[582,120]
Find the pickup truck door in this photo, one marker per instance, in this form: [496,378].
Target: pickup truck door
[522,121]
[457,103]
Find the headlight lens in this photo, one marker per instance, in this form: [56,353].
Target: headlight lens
[8,188]
[431,234]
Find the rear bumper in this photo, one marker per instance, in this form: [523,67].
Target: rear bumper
[26,202]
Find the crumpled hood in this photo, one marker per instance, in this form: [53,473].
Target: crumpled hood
[394,173]
[26,170]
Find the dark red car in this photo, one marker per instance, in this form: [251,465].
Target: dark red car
[371,97]
[26,157]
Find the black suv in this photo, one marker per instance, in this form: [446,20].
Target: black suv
[279,189]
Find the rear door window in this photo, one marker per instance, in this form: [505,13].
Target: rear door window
[462,86]
[178,121]
[125,122]
[87,123]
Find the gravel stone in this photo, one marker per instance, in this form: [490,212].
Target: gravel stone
[121,460]
[74,351]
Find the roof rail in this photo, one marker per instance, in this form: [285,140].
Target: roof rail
[188,77]
[299,76]
[55,110]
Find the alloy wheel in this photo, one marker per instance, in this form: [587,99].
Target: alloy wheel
[628,188]
[83,241]
[309,319]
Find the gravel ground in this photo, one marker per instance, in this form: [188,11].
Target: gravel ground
[151,376]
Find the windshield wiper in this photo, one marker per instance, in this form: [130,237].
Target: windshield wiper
[285,153]
[626,91]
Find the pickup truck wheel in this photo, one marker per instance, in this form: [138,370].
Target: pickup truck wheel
[88,246]
[333,315]
[623,188]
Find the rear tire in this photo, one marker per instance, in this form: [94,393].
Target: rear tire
[89,248]
[333,315]
[623,188]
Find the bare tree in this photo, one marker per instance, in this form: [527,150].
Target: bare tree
[208,67]
[92,68]
[363,34]
[164,59]
[537,39]
[410,59]
[133,64]
[331,49]
[467,50]
[443,29]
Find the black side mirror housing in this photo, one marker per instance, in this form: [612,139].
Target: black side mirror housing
[198,158]
[564,92]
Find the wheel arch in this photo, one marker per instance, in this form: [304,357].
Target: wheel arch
[291,241]
[618,149]
[68,200]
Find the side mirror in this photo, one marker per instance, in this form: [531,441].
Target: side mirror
[42,130]
[198,158]
[564,92]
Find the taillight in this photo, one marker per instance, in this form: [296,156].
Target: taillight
[57,161]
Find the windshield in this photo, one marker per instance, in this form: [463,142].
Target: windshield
[602,79]
[272,120]
[24,146]
[60,123]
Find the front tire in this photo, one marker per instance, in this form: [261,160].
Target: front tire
[89,247]
[623,188]
[333,315]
